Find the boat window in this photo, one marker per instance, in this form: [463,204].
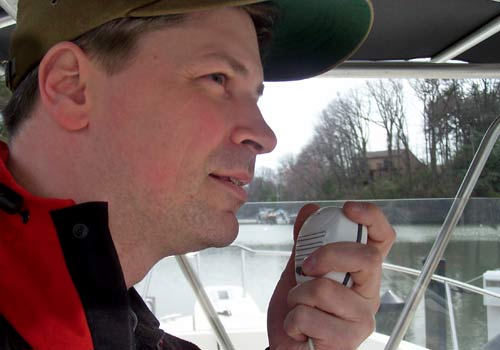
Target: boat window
[223,295]
[495,284]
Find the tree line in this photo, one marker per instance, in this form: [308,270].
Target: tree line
[335,164]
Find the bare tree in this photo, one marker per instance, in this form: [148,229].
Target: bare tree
[334,163]
[443,115]
[389,100]
[341,138]
[428,91]
[303,176]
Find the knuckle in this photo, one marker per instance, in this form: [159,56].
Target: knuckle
[392,234]
[364,330]
[370,325]
[320,284]
[376,304]
[291,298]
[352,341]
[366,312]
[299,314]
[318,293]
[373,256]
[370,307]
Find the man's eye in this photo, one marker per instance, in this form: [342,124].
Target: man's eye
[218,78]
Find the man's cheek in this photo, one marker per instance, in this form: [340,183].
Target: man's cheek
[155,174]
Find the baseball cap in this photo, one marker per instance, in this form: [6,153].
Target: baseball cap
[309,38]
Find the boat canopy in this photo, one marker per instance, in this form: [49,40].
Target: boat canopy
[410,38]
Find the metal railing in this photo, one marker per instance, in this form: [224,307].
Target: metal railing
[447,282]
[488,142]
[206,304]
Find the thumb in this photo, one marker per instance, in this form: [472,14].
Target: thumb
[306,211]
[278,308]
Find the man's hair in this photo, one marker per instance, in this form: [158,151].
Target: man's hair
[113,45]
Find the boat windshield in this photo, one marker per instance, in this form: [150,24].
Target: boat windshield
[437,126]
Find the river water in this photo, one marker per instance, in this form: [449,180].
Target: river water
[473,250]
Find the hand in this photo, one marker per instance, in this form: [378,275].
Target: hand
[334,316]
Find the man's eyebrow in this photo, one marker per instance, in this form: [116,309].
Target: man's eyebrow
[236,65]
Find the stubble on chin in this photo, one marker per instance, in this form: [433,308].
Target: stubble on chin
[209,226]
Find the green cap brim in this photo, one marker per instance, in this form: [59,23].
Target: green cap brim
[313,36]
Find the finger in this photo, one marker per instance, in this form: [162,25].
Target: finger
[306,211]
[327,332]
[362,261]
[380,232]
[367,284]
[331,297]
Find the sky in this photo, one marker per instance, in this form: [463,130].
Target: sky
[292,110]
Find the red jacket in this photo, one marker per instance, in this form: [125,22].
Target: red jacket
[61,284]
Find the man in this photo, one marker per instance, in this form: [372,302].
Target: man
[133,127]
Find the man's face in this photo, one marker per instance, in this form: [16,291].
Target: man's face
[179,130]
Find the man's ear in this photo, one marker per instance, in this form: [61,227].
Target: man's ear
[63,83]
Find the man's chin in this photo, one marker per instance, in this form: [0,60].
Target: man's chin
[229,236]
[226,234]
[218,241]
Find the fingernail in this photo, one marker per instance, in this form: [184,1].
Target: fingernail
[308,265]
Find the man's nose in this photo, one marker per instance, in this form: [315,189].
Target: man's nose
[252,130]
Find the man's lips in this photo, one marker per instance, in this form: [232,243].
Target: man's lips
[235,182]
[238,178]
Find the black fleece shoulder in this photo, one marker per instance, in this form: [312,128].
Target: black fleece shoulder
[9,338]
